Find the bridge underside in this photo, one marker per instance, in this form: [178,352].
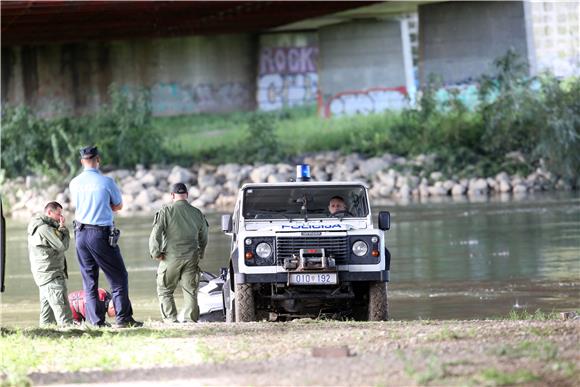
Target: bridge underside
[41,22]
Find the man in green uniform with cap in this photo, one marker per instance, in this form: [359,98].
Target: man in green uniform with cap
[48,239]
[178,241]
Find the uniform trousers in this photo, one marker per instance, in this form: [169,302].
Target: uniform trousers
[169,274]
[94,252]
[54,307]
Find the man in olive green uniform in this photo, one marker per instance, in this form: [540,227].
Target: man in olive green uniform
[178,241]
[48,239]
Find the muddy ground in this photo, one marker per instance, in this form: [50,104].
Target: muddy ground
[306,352]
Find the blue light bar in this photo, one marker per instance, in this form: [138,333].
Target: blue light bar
[302,172]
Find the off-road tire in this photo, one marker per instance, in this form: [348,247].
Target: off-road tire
[378,304]
[244,303]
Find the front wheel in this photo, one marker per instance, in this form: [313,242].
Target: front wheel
[244,303]
[378,304]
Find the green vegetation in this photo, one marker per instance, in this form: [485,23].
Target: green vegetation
[543,350]
[537,315]
[430,353]
[538,117]
[122,129]
[28,350]
[495,377]
[431,369]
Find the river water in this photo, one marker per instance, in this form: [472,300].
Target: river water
[450,260]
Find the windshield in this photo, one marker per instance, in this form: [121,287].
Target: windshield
[305,202]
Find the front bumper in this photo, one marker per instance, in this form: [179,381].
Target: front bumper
[343,276]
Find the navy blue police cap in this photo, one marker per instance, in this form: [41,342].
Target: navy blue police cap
[89,152]
[179,188]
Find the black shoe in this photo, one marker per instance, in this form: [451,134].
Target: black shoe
[128,324]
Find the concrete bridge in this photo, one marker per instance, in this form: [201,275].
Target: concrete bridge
[349,57]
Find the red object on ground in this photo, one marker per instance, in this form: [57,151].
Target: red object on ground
[77,303]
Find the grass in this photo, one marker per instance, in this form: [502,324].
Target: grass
[431,369]
[427,352]
[193,134]
[40,350]
[495,377]
[298,130]
[543,350]
[446,334]
[525,315]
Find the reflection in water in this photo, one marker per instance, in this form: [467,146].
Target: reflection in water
[450,260]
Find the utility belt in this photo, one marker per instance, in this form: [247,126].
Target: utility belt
[114,233]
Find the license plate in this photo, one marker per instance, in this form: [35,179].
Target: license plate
[313,279]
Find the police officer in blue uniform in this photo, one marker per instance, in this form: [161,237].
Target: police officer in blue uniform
[95,198]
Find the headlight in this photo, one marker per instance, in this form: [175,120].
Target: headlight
[264,250]
[360,248]
[374,239]
[248,242]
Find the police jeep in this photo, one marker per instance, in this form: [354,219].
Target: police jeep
[291,258]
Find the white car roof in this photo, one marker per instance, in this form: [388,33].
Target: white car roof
[306,184]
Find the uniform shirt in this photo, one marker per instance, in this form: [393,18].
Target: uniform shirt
[92,194]
[179,232]
[47,243]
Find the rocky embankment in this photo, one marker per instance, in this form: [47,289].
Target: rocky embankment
[389,178]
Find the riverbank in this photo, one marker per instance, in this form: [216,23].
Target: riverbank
[302,352]
[390,179]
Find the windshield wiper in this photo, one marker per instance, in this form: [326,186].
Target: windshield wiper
[304,209]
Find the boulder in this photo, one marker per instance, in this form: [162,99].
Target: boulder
[477,187]
[143,199]
[368,168]
[179,175]
[261,173]
[504,186]
[148,179]
[458,190]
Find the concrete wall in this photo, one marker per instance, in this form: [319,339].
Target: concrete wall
[556,35]
[460,40]
[287,71]
[362,67]
[185,75]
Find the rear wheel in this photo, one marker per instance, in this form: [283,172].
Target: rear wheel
[378,304]
[245,309]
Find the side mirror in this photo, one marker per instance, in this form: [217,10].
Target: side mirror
[227,223]
[384,220]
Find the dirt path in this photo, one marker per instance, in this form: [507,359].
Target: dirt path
[391,353]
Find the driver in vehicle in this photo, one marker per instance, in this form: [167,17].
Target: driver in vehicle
[337,205]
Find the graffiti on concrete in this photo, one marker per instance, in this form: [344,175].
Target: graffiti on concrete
[174,98]
[288,60]
[276,91]
[288,77]
[466,93]
[367,101]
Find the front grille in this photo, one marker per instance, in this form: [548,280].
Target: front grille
[337,247]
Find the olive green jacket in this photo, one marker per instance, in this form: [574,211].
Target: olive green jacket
[47,243]
[179,232]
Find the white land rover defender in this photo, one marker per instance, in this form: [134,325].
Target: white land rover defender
[290,257]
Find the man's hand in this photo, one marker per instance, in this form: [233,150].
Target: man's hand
[161,257]
[117,207]
[61,221]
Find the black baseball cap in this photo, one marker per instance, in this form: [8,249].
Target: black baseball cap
[179,188]
[89,152]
